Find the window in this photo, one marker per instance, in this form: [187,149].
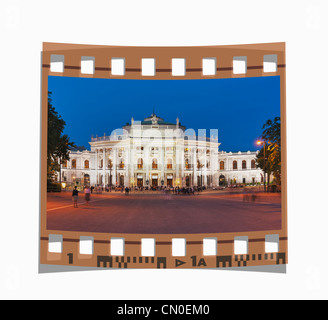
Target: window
[154,164]
[73,163]
[234,165]
[110,163]
[243,164]
[169,163]
[86,164]
[64,164]
[188,166]
[122,164]
[221,165]
[253,164]
[140,163]
[101,163]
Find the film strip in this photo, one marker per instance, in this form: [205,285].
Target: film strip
[156,250]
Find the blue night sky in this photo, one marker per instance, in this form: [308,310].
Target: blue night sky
[237,108]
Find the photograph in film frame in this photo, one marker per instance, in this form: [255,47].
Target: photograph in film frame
[163,157]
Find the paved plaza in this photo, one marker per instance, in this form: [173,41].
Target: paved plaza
[155,212]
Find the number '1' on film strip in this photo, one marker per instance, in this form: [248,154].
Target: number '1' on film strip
[163,157]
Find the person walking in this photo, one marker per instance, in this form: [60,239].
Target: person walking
[75,195]
[87,192]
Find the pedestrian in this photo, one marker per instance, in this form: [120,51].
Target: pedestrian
[87,192]
[75,195]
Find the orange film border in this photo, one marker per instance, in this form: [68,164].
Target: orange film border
[132,258]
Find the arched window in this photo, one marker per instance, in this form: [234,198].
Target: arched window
[154,164]
[140,163]
[64,164]
[188,166]
[74,163]
[243,164]
[221,165]
[86,179]
[169,163]
[86,164]
[122,164]
[234,165]
[253,164]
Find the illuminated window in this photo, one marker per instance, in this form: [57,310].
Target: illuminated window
[169,163]
[154,164]
[221,165]
[110,163]
[86,164]
[234,165]
[243,164]
[140,163]
[122,164]
[188,166]
[73,163]
[64,164]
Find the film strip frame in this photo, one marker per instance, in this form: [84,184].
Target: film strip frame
[68,250]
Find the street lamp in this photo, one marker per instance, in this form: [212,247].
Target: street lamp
[262,142]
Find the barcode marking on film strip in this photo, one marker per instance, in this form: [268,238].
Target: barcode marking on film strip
[226,261]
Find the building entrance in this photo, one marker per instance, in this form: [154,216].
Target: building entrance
[139,182]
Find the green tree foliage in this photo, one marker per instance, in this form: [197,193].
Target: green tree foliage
[272,138]
[58,143]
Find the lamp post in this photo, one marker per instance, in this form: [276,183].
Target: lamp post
[262,142]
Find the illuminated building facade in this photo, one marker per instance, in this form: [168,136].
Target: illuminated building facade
[154,152]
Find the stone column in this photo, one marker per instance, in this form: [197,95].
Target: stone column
[104,167]
[131,163]
[114,166]
[194,162]
[177,165]
[182,166]
[126,167]
[162,162]
[97,164]
[147,163]
[205,168]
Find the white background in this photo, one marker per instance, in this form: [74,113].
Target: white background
[24,25]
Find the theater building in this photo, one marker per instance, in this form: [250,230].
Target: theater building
[154,152]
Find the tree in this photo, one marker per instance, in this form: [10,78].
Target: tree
[272,147]
[58,143]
